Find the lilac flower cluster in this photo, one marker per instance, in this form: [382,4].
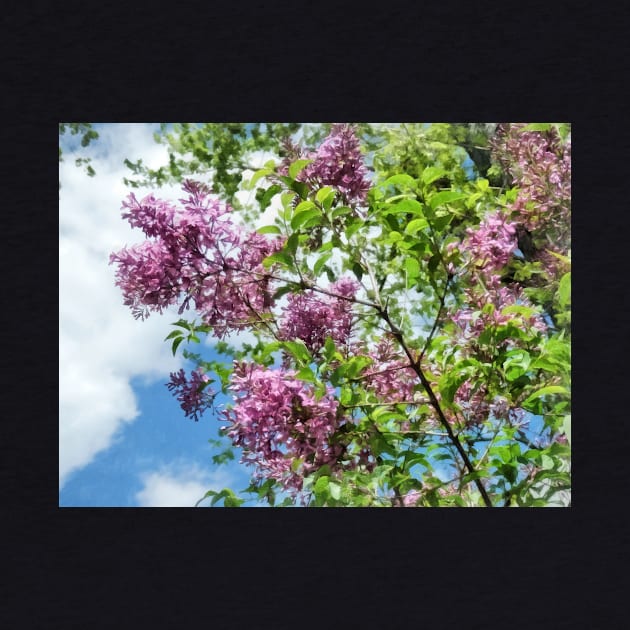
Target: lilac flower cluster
[476,406]
[390,376]
[198,253]
[312,317]
[411,498]
[338,163]
[193,394]
[492,243]
[471,319]
[540,165]
[279,421]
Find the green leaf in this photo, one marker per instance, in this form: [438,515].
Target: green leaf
[406,206]
[292,242]
[431,174]
[340,211]
[265,198]
[210,493]
[482,184]
[516,364]
[401,181]
[281,257]
[537,127]
[565,259]
[547,462]
[412,267]
[444,197]
[269,229]
[307,216]
[176,344]
[301,189]
[286,199]
[232,501]
[175,333]
[298,349]
[413,227]
[320,262]
[564,290]
[563,130]
[345,397]
[357,270]
[182,323]
[322,193]
[263,172]
[509,471]
[439,223]
[298,166]
[287,288]
[355,366]
[544,391]
[326,196]
[434,262]
[303,206]
[519,309]
[306,374]
[354,225]
[335,490]
[321,485]
[330,350]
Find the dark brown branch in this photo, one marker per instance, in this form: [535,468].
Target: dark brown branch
[435,403]
[437,319]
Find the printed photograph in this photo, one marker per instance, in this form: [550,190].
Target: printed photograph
[342,314]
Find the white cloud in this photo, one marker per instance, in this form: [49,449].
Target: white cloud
[179,485]
[101,346]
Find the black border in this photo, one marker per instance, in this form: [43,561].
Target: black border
[278,568]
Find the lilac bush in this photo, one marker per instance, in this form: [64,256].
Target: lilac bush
[349,396]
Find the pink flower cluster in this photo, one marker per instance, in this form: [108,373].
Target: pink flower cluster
[477,408]
[338,163]
[472,321]
[278,420]
[193,394]
[492,243]
[540,165]
[390,376]
[312,316]
[197,253]
[411,498]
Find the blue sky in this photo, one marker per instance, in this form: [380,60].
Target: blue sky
[123,440]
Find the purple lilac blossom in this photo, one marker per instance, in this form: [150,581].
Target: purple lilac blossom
[492,243]
[196,253]
[540,165]
[278,420]
[193,394]
[472,320]
[411,498]
[390,377]
[337,162]
[312,316]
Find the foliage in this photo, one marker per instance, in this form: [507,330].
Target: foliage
[410,304]
[87,133]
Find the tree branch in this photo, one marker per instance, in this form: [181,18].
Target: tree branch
[435,403]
